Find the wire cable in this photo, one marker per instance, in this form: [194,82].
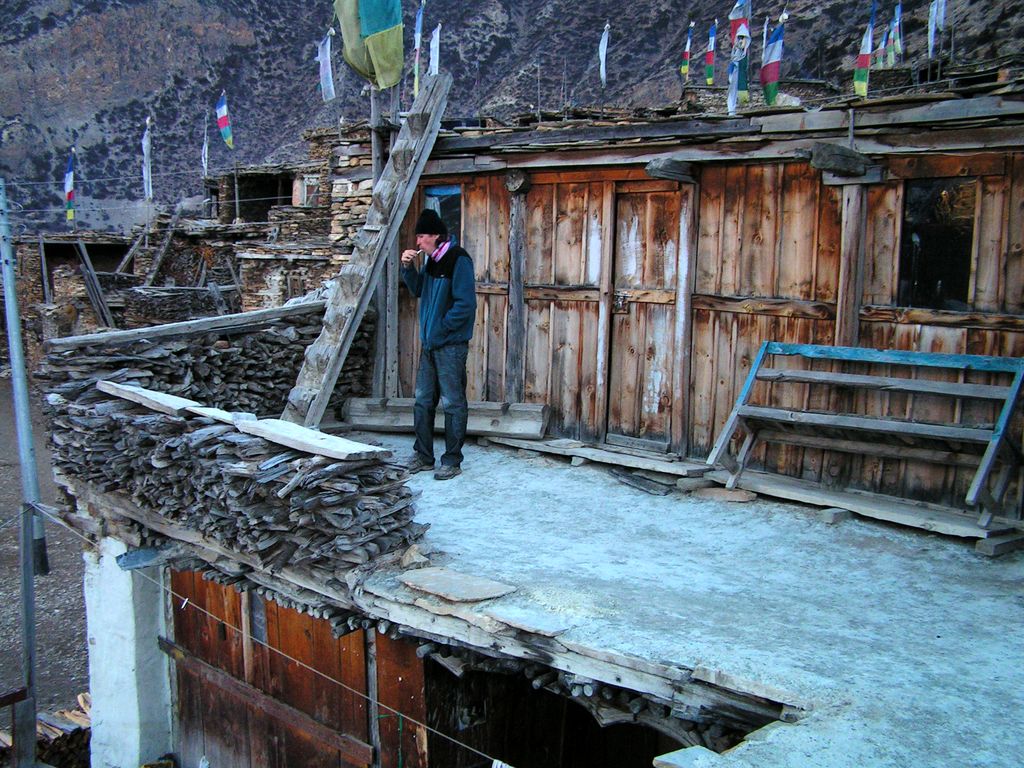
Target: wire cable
[186,602]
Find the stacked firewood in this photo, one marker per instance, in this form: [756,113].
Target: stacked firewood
[282,507]
[251,371]
[62,738]
[144,306]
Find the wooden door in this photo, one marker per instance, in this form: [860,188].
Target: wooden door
[643,317]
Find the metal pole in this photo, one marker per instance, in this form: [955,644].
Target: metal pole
[238,209]
[33,543]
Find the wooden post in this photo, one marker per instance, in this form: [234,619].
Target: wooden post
[851,262]
[684,318]
[372,694]
[380,292]
[47,296]
[391,286]
[238,205]
[518,183]
[604,311]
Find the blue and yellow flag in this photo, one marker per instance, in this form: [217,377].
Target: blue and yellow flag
[371,32]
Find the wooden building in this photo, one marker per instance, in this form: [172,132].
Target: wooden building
[627,273]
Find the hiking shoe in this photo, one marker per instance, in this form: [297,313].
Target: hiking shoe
[418,464]
[447,473]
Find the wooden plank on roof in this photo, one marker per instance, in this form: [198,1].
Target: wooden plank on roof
[525,420]
[930,517]
[186,327]
[658,130]
[172,405]
[310,440]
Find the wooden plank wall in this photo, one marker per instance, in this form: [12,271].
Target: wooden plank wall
[565,230]
[993,326]
[230,732]
[767,268]
[485,215]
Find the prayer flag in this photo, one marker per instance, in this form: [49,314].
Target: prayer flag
[764,42]
[602,53]
[435,50]
[417,37]
[898,22]
[224,120]
[772,65]
[933,10]
[738,19]
[147,160]
[69,187]
[940,14]
[863,66]
[205,155]
[371,36]
[684,68]
[323,55]
[709,56]
[739,90]
[890,45]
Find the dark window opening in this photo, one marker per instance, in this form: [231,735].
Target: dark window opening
[936,243]
[447,201]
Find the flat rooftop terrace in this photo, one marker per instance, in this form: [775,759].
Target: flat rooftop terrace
[904,647]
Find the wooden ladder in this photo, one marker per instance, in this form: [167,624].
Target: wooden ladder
[355,284]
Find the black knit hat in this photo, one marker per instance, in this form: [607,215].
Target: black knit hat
[429,223]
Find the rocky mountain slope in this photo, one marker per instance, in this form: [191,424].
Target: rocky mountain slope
[88,73]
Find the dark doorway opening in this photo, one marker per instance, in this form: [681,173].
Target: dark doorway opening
[502,716]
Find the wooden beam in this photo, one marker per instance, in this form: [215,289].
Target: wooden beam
[187,327]
[130,254]
[914,316]
[351,749]
[522,420]
[897,357]
[93,288]
[683,330]
[518,185]
[161,402]
[615,458]
[11,697]
[161,254]
[865,424]
[872,448]
[929,166]
[814,310]
[668,168]
[301,438]
[838,159]
[542,138]
[930,517]
[44,272]
[886,383]
[851,262]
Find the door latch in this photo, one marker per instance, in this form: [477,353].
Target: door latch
[620,303]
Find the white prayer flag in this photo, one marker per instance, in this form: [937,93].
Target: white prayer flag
[205,157]
[323,55]
[435,50]
[933,10]
[602,53]
[147,160]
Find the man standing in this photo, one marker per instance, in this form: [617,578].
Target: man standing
[445,289]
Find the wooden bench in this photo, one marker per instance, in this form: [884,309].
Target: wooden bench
[983,446]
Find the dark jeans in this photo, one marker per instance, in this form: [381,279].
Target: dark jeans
[442,376]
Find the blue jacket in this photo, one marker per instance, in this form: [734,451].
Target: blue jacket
[447,293]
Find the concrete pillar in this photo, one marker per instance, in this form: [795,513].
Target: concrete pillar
[129,678]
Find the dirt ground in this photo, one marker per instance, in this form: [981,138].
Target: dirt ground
[62,664]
